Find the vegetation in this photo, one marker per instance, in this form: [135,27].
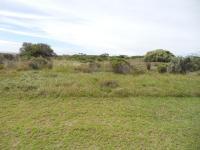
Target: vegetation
[99,102]
[158,55]
[121,66]
[29,50]
[183,65]
[162,68]
[40,63]
[148,65]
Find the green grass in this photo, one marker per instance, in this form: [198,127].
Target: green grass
[100,123]
[58,109]
[53,84]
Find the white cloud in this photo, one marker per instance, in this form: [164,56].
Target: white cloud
[120,26]
[9,46]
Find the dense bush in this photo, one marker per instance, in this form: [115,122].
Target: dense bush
[195,63]
[121,66]
[183,65]
[36,50]
[162,68]
[158,56]
[40,63]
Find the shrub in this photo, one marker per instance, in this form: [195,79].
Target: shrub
[7,57]
[148,66]
[82,68]
[183,65]
[88,67]
[121,66]
[109,84]
[195,63]
[23,66]
[138,69]
[36,50]
[40,63]
[159,55]
[10,64]
[179,65]
[162,68]
[94,66]
[103,57]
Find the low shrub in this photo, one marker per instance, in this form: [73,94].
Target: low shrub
[121,66]
[23,66]
[148,66]
[182,65]
[94,66]
[162,68]
[88,67]
[10,64]
[136,70]
[82,68]
[40,63]
[109,84]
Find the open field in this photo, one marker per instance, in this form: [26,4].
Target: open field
[100,123]
[63,109]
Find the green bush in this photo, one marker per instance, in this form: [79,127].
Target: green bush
[121,66]
[40,63]
[162,68]
[184,65]
[29,50]
[159,55]
[195,63]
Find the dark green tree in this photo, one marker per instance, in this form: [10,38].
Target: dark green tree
[36,50]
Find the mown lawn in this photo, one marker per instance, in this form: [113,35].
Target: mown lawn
[51,110]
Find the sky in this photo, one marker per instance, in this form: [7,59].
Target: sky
[117,27]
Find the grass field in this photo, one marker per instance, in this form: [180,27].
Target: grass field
[58,109]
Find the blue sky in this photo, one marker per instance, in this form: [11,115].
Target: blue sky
[130,27]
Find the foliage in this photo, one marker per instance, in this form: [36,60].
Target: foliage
[148,66]
[36,50]
[162,68]
[121,66]
[40,63]
[158,55]
[7,57]
[183,65]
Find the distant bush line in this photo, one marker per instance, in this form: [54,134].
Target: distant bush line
[39,56]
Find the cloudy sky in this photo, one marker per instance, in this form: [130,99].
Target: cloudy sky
[130,27]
